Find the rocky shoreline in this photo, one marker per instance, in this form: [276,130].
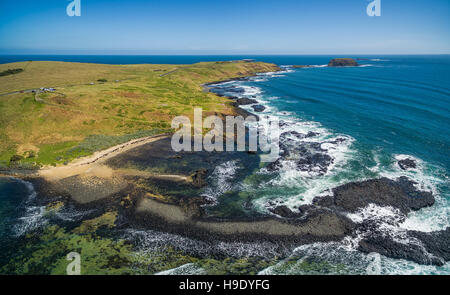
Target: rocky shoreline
[151,186]
[401,195]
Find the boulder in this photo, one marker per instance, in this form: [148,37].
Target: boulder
[406,164]
[258,108]
[246,101]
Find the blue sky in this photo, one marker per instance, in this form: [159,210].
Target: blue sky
[224,27]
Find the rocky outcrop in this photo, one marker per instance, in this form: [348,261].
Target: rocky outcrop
[343,62]
[436,243]
[308,156]
[420,247]
[380,234]
[406,164]
[198,178]
[246,101]
[386,246]
[400,194]
[258,108]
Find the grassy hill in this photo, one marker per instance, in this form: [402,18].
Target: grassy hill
[97,106]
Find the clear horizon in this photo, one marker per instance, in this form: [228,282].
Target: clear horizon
[225,54]
[199,27]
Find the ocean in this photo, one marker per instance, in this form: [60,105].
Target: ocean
[390,108]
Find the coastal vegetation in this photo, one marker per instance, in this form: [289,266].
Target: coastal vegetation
[10,72]
[130,188]
[98,106]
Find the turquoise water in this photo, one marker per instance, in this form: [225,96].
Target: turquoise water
[390,108]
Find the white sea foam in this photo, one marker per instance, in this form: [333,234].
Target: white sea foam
[312,182]
[347,260]
[221,179]
[33,216]
[149,241]
[185,269]
[389,220]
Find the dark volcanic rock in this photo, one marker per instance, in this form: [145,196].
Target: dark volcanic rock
[298,134]
[246,101]
[258,108]
[311,134]
[318,163]
[245,114]
[199,178]
[406,164]
[284,211]
[343,62]
[437,243]
[307,156]
[386,246]
[400,194]
[376,230]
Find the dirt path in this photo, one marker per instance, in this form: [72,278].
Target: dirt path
[168,73]
[93,165]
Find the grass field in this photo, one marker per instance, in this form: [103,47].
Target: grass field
[97,106]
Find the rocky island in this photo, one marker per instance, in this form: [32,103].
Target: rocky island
[336,62]
[343,62]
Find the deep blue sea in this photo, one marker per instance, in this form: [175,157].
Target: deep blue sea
[390,108]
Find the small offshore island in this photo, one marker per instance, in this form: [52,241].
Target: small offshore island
[336,62]
[96,139]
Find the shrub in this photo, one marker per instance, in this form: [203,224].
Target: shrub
[11,72]
[15,158]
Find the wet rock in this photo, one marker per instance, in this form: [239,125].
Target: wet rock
[274,166]
[406,164]
[318,163]
[307,156]
[386,246]
[436,243]
[284,211]
[298,134]
[311,134]
[400,194]
[198,178]
[258,108]
[421,247]
[337,140]
[325,201]
[246,101]
[245,114]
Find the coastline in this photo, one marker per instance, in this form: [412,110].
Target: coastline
[49,181]
[323,221]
